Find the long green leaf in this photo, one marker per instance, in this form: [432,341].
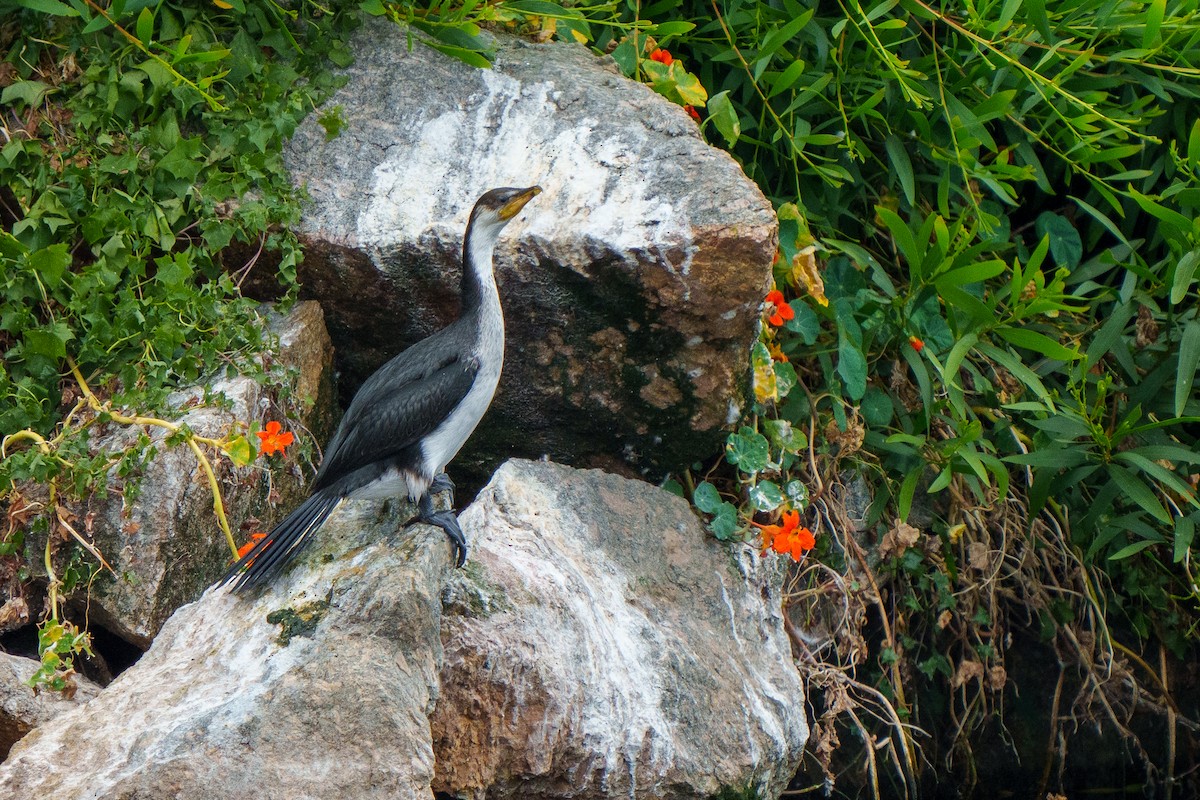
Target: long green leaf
[950,372]
[1153,22]
[776,39]
[1185,271]
[852,367]
[1185,534]
[1167,452]
[907,490]
[1133,549]
[1193,146]
[902,167]
[1136,490]
[1175,225]
[1021,372]
[53,7]
[972,273]
[1189,357]
[1038,343]
[1036,13]
[903,236]
[1110,332]
[544,8]
[1056,458]
[788,78]
[1160,473]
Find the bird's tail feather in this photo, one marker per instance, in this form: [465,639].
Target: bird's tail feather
[283,543]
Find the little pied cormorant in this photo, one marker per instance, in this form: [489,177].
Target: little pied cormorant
[411,417]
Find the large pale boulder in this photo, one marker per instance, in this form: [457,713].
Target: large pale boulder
[318,687]
[601,645]
[632,285]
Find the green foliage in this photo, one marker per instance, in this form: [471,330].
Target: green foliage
[457,29]
[990,226]
[122,221]
[140,178]
[58,645]
[1007,205]
[114,252]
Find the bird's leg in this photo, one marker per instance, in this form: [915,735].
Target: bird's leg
[442,483]
[447,522]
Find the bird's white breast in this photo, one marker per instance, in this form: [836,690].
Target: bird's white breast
[444,443]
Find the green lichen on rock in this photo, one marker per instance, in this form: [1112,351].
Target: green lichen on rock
[299,621]
[476,597]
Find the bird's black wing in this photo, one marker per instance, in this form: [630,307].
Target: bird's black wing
[402,402]
[406,399]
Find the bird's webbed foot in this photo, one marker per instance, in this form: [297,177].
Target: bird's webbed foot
[442,483]
[448,522]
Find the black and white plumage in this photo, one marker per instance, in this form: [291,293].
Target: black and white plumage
[413,415]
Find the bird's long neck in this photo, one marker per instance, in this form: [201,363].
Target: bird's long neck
[479,292]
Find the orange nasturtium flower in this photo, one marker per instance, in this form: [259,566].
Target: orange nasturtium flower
[776,352]
[790,538]
[248,546]
[916,343]
[273,440]
[692,112]
[777,310]
[661,56]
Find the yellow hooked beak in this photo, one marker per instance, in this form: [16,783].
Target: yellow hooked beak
[512,207]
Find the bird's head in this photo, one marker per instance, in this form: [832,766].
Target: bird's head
[497,207]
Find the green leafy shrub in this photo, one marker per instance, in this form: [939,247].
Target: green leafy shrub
[126,184]
[989,229]
[141,177]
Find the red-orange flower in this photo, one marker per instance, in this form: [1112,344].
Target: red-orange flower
[777,310]
[661,56]
[248,546]
[790,538]
[797,544]
[273,439]
[916,343]
[693,113]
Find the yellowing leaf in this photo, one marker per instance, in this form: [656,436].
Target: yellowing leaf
[766,386]
[804,273]
[789,211]
[548,26]
[222,4]
[691,92]
[240,451]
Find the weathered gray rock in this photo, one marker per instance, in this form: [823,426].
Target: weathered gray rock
[320,687]
[601,645]
[162,540]
[165,544]
[598,645]
[21,710]
[632,285]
